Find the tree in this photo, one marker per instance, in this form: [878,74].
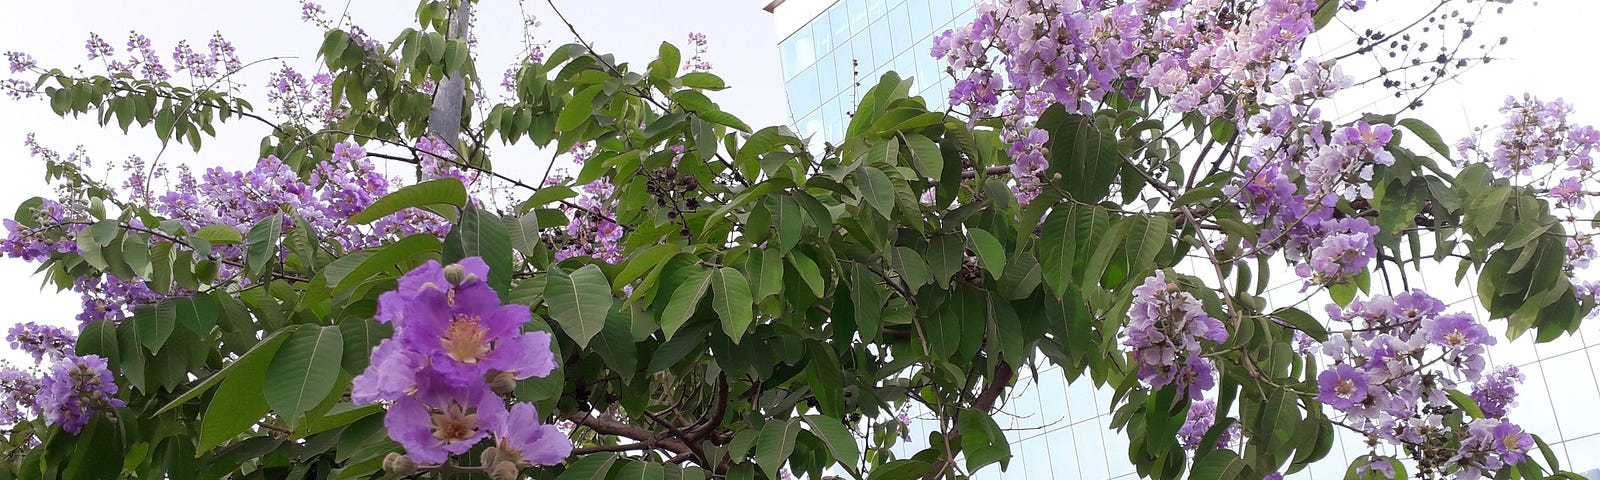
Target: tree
[723,301]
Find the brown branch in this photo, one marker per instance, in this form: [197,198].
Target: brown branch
[612,427]
[984,402]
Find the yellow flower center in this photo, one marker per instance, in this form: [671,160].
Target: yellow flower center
[1369,136]
[1345,388]
[1455,337]
[454,424]
[464,340]
[1512,441]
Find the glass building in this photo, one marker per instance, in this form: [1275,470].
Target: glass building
[833,50]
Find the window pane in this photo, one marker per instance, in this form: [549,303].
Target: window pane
[844,69]
[839,23]
[798,53]
[876,8]
[827,81]
[904,66]
[941,13]
[833,122]
[882,46]
[803,96]
[929,69]
[858,14]
[900,27]
[861,51]
[821,35]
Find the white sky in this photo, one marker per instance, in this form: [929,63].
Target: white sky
[742,42]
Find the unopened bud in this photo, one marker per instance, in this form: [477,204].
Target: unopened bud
[503,471]
[399,465]
[502,383]
[455,273]
[490,456]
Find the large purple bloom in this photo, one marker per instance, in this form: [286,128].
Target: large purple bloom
[442,419]
[459,327]
[524,441]
[1457,330]
[75,389]
[1342,387]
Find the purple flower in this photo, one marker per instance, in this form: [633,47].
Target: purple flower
[442,419]
[524,441]
[1497,393]
[1513,443]
[76,389]
[1568,193]
[41,340]
[1165,326]
[1196,423]
[19,392]
[1342,387]
[459,326]
[1457,330]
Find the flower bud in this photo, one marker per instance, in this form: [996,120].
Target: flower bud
[502,383]
[455,273]
[399,465]
[503,471]
[490,456]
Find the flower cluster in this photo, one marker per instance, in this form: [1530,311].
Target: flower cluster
[1298,214]
[41,341]
[1391,371]
[1165,326]
[1198,56]
[697,62]
[1542,147]
[454,350]
[75,390]
[332,192]
[19,393]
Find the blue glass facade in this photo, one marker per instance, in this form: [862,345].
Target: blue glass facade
[856,41]
[1060,429]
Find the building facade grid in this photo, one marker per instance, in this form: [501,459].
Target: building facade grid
[1060,429]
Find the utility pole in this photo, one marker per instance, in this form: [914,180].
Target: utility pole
[450,95]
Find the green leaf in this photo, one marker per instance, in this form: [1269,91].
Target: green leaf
[589,467]
[775,444]
[239,403]
[732,302]
[1427,134]
[257,358]
[904,469]
[944,255]
[925,155]
[104,231]
[1324,14]
[361,335]
[685,298]
[578,110]
[303,371]
[982,441]
[219,234]
[155,323]
[1302,321]
[703,80]
[524,231]
[263,246]
[1465,402]
[481,234]
[877,190]
[990,253]
[444,191]
[197,313]
[1220,464]
[547,195]
[579,302]
[838,440]
[98,338]
[615,342]
[1085,156]
[666,63]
